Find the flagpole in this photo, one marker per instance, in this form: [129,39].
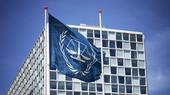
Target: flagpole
[101,45]
[46,53]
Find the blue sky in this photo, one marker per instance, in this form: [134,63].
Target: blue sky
[22,21]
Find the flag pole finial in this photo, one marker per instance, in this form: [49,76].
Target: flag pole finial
[100,10]
[45,7]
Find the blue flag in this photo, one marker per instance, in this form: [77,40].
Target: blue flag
[72,54]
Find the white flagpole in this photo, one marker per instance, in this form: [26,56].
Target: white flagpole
[46,53]
[101,45]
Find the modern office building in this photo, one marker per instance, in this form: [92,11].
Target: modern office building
[124,67]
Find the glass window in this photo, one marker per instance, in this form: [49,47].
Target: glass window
[68,85]
[134,63]
[142,81]
[106,70]
[128,71]
[106,51]
[107,88]
[114,88]
[135,72]
[119,44]
[120,61]
[142,72]
[89,33]
[125,36]
[99,87]
[53,84]
[60,85]
[112,52]
[106,60]
[140,46]
[113,70]
[92,87]
[133,54]
[84,86]
[112,44]
[68,78]
[132,37]
[51,93]
[114,79]
[126,45]
[143,90]
[112,36]
[97,43]
[76,93]
[118,36]
[53,75]
[83,32]
[139,38]
[133,45]
[90,40]
[135,80]
[77,86]
[120,53]
[61,77]
[121,79]
[68,93]
[121,71]
[92,93]
[141,55]
[127,53]
[136,90]
[106,78]
[128,80]
[113,62]
[141,63]
[127,62]
[97,33]
[104,34]
[129,89]
[84,93]
[75,29]
[105,43]
[121,88]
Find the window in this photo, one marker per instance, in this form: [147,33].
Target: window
[118,36]
[84,93]
[90,40]
[92,93]
[84,86]
[140,46]
[68,85]
[106,70]
[129,89]
[114,88]
[128,71]
[142,81]
[83,32]
[114,79]
[92,87]
[76,93]
[126,45]
[121,88]
[119,44]
[141,55]
[112,36]
[141,63]
[75,29]
[127,53]
[106,52]
[52,93]
[132,37]
[105,43]
[133,45]
[112,52]
[68,78]
[120,61]
[99,87]
[139,38]
[112,44]
[121,71]
[52,84]
[104,34]
[107,88]
[135,72]
[120,53]
[60,85]
[97,43]
[106,78]
[127,62]
[133,54]
[106,60]
[135,80]
[136,90]
[142,72]
[125,36]
[113,62]
[134,63]
[77,86]
[97,33]
[121,79]
[128,80]
[143,90]
[89,33]
[113,70]
[53,75]
[68,93]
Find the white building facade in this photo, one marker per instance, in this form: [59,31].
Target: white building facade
[124,67]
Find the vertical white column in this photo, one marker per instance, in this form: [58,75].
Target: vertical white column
[46,54]
[101,45]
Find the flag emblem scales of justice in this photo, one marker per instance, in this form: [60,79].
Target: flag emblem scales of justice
[72,54]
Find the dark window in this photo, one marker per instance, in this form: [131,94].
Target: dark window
[89,33]
[135,72]
[60,85]
[99,87]
[92,87]
[84,93]
[132,37]
[128,71]
[125,36]
[68,93]
[121,79]
[112,52]
[113,70]
[129,89]
[118,36]
[133,45]
[133,54]
[68,78]
[53,75]
[84,86]
[104,34]
[105,43]
[143,90]
[128,80]
[142,81]
[120,61]
[106,60]
[121,88]
[68,85]
[119,44]
[142,72]
[92,93]
[75,29]
[139,38]
[107,94]
[76,93]
[134,63]
[97,34]
[114,88]
[107,78]
[114,79]
[52,84]
[52,93]
[112,44]
[90,40]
